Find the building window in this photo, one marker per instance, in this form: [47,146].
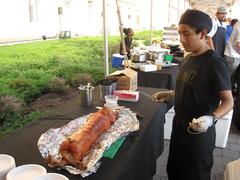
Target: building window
[33,10]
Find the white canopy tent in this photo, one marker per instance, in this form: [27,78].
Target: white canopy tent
[210,6]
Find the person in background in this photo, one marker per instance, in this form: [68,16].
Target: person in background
[232,56]
[219,38]
[128,41]
[202,83]
[212,33]
[230,29]
[236,109]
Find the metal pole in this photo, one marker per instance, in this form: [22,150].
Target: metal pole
[60,25]
[106,65]
[151,24]
[169,8]
[126,63]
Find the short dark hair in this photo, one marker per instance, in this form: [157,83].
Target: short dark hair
[127,30]
[197,30]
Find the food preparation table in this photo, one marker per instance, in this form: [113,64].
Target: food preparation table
[136,158]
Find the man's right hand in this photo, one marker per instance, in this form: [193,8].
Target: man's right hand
[163,96]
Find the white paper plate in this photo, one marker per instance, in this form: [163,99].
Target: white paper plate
[51,176]
[26,172]
[6,164]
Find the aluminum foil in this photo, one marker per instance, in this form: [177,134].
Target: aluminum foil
[49,142]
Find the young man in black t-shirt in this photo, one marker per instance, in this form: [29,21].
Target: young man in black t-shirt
[202,83]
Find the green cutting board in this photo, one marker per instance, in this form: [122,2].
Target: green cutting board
[112,150]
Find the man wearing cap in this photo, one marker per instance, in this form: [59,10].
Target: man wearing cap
[221,15]
[219,36]
[203,81]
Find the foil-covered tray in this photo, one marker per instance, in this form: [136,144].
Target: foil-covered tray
[49,142]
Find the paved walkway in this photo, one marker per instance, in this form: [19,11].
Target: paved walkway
[221,157]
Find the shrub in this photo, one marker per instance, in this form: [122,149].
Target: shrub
[58,85]
[138,43]
[16,121]
[145,35]
[9,106]
[19,84]
[30,94]
[25,89]
[83,79]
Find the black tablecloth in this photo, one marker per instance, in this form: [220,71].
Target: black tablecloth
[135,160]
[164,78]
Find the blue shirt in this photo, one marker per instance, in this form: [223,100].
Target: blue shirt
[228,33]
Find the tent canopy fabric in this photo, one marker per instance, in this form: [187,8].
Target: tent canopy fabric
[210,6]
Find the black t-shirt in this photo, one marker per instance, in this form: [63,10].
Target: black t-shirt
[198,83]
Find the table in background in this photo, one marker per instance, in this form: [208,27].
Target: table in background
[136,159]
[164,78]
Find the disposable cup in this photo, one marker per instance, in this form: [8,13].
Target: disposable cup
[105,90]
[51,176]
[26,172]
[7,163]
[111,101]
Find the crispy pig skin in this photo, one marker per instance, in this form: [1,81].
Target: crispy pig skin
[75,147]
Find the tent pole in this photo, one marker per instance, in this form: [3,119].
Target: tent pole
[151,24]
[126,63]
[106,65]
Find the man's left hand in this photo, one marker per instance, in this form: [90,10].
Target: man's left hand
[202,123]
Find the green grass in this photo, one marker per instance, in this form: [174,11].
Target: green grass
[145,36]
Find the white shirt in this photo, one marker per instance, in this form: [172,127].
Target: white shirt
[231,49]
[221,24]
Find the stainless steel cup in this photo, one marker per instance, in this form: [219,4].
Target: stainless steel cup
[86,95]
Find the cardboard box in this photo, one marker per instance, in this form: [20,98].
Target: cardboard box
[126,79]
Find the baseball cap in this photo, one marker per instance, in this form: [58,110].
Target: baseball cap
[222,9]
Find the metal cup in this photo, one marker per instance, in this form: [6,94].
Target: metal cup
[86,95]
